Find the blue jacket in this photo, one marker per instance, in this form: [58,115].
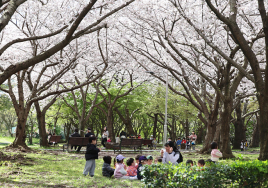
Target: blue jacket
[179,142]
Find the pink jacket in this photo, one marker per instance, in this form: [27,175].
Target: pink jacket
[119,170]
[215,155]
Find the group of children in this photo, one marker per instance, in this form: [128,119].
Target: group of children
[130,171]
[133,167]
[188,143]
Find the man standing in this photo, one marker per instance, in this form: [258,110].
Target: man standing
[193,138]
[76,134]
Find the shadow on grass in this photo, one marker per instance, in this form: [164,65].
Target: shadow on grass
[12,183]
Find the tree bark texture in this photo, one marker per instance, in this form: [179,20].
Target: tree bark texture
[225,129]
[255,141]
[240,133]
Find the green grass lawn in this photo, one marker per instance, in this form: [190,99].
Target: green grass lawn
[61,169]
[52,169]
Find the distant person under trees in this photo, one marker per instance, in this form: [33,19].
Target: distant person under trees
[105,135]
[75,134]
[89,133]
[193,138]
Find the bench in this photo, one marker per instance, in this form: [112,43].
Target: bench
[76,141]
[54,140]
[129,142]
[147,142]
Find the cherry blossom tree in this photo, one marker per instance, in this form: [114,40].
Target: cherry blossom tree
[246,27]
[73,21]
[185,46]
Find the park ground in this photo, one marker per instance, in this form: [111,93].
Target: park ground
[51,167]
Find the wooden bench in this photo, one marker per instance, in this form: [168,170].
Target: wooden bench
[129,142]
[54,140]
[148,142]
[76,141]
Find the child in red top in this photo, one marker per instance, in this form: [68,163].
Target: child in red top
[131,169]
[109,140]
[183,141]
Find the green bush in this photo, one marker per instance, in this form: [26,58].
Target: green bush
[236,174]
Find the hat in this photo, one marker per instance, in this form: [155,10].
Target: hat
[152,135]
[88,128]
[149,157]
[142,158]
[120,157]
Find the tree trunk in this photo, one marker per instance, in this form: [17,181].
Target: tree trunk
[110,124]
[82,127]
[186,128]
[263,103]
[173,132]
[67,128]
[255,141]
[209,138]
[41,125]
[20,133]
[155,125]
[240,133]
[31,135]
[126,121]
[200,131]
[225,129]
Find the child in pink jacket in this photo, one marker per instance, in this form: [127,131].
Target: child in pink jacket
[120,168]
[215,153]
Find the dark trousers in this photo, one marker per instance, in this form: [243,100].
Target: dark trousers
[78,149]
[103,141]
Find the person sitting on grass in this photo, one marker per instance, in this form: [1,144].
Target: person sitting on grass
[171,154]
[120,168]
[142,161]
[91,155]
[215,153]
[201,163]
[131,169]
[149,160]
[137,161]
[107,170]
[189,162]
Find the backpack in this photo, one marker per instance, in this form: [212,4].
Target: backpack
[180,159]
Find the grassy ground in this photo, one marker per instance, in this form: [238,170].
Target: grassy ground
[41,168]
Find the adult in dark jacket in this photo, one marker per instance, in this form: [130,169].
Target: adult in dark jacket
[89,133]
[75,134]
[91,155]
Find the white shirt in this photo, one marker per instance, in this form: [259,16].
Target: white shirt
[117,140]
[170,157]
[105,134]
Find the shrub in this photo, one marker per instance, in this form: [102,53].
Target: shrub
[237,174]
